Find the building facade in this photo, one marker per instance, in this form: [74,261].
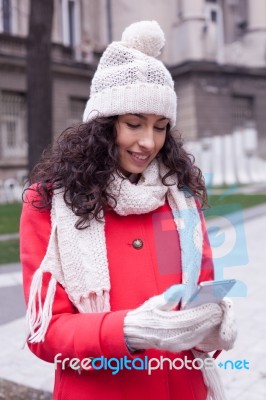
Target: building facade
[215,50]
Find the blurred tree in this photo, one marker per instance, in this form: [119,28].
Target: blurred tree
[39,79]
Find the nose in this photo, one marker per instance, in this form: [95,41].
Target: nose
[146,141]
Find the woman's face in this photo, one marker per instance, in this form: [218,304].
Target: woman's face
[140,137]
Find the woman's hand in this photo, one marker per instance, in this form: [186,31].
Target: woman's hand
[223,336]
[152,325]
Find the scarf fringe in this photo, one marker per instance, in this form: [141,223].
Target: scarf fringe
[38,316]
[211,379]
[95,302]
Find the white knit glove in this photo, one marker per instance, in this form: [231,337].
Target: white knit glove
[223,336]
[152,325]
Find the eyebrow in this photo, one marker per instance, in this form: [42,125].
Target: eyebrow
[143,117]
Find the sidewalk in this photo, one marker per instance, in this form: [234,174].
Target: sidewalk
[12,391]
[22,367]
[247,384]
[9,236]
[18,364]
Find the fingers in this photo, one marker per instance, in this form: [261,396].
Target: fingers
[228,329]
[206,315]
[227,304]
[210,310]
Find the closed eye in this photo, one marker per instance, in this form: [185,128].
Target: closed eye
[160,129]
[132,126]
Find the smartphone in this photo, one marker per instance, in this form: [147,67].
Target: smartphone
[210,292]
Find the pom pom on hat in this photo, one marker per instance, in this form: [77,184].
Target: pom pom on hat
[145,36]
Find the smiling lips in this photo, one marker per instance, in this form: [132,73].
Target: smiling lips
[139,158]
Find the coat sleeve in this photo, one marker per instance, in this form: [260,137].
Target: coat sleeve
[70,333]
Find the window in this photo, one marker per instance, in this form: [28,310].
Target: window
[213,16]
[9,16]
[12,125]
[214,32]
[180,9]
[6,7]
[71,25]
[11,133]
[71,22]
[236,19]
[241,18]
[5,16]
[77,107]
[242,111]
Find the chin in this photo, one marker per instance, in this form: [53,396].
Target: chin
[134,170]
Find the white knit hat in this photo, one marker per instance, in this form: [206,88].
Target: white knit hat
[129,79]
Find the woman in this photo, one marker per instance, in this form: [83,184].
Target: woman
[111,221]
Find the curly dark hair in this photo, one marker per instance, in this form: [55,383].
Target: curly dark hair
[83,160]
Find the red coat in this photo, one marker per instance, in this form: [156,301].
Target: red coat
[135,276]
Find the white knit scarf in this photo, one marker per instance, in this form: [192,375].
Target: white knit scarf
[77,259]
